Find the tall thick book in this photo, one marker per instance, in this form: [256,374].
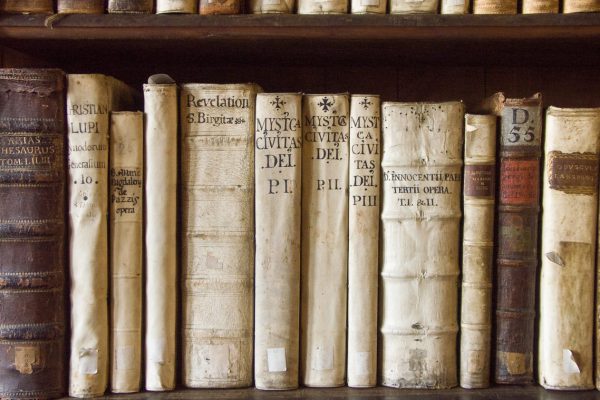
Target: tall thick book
[455,6]
[80,6]
[495,7]
[278,168]
[325,157]
[26,6]
[126,244]
[576,6]
[271,6]
[217,171]
[478,250]
[130,6]
[569,228]
[363,238]
[517,234]
[220,7]
[322,6]
[540,6]
[422,176]
[90,98]
[160,108]
[176,6]
[32,233]
[368,6]
[414,7]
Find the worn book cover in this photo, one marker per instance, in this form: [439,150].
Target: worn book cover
[130,6]
[27,6]
[80,6]
[495,7]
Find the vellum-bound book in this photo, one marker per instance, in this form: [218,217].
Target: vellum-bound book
[324,239]
[176,6]
[455,6]
[569,228]
[478,250]
[160,108]
[217,123]
[494,7]
[540,6]
[574,6]
[322,6]
[130,6]
[278,167]
[90,98]
[368,6]
[126,238]
[414,6]
[26,6]
[271,6]
[363,239]
[422,176]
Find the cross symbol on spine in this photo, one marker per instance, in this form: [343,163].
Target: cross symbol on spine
[325,103]
[278,103]
[365,103]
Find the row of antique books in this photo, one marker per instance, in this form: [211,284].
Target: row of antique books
[320,239]
[208,7]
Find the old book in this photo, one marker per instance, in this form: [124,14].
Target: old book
[32,233]
[26,6]
[540,6]
[220,7]
[176,6]
[324,239]
[217,171]
[576,6]
[478,250]
[160,108]
[126,238]
[322,6]
[278,167]
[90,98]
[422,175]
[569,228]
[130,6]
[517,228]
[363,238]
[414,6]
[494,7]
[455,6]
[271,6]
[80,6]
[368,6]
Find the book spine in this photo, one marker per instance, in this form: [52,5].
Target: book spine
[32,233]
[422,176]
[26,6]
[278,167]
[126,238]
[176,6]
[220,7]
[218,234]
[363,239]
[568,259]
[271,6]
[576,6]
[88,106]
[130,6]
[495,7]
[414,7]
[478,250]
[322,6]
[160,108]
[540,6]
[80,6]
[324,239]
[368,6]
[455,6]
[517,240]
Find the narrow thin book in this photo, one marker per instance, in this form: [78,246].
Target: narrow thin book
[26,6]
[80,6]
[130,6]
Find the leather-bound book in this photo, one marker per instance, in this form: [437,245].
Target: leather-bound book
[80,6]
[220,7]
[26,6]
[578,6]
[494,7]
[540,6]
[32,233]
[130,6]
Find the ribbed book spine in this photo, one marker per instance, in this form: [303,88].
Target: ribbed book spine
[325,126]
[126,238]
[478,250]
[217,172]
[517,238]
[363,238]
[26,6]
[80,6]
[569,228]
[130,6]
[32,233]
[278,167]
[422,176]
[508,7]
[176,6]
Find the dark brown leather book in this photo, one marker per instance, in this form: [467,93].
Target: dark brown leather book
[80,6]
[130,6]
[26,6]
[32,233]
[517,236]
[213,7]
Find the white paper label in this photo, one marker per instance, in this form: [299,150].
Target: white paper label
[88,361]
[156,350]
[124,358]
[569,363]
[276,360]
[323,360]
[362,362]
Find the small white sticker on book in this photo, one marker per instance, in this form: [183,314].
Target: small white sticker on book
[88,361]
[362,362]
[276,360]
[323,360]
[155,348]
[124,358]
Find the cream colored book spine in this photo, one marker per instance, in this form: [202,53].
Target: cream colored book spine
[176,6]
[368,6]
[581,6]
[569,228]
[455,6]
[322,6]
[90,98]
[278,168]
[126,238]
[325,159]
[217,172]
[160,109]
[272,6]
[540,6]
[495,7]
[422,176]
[414,6]
[478,250]
[363,238]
